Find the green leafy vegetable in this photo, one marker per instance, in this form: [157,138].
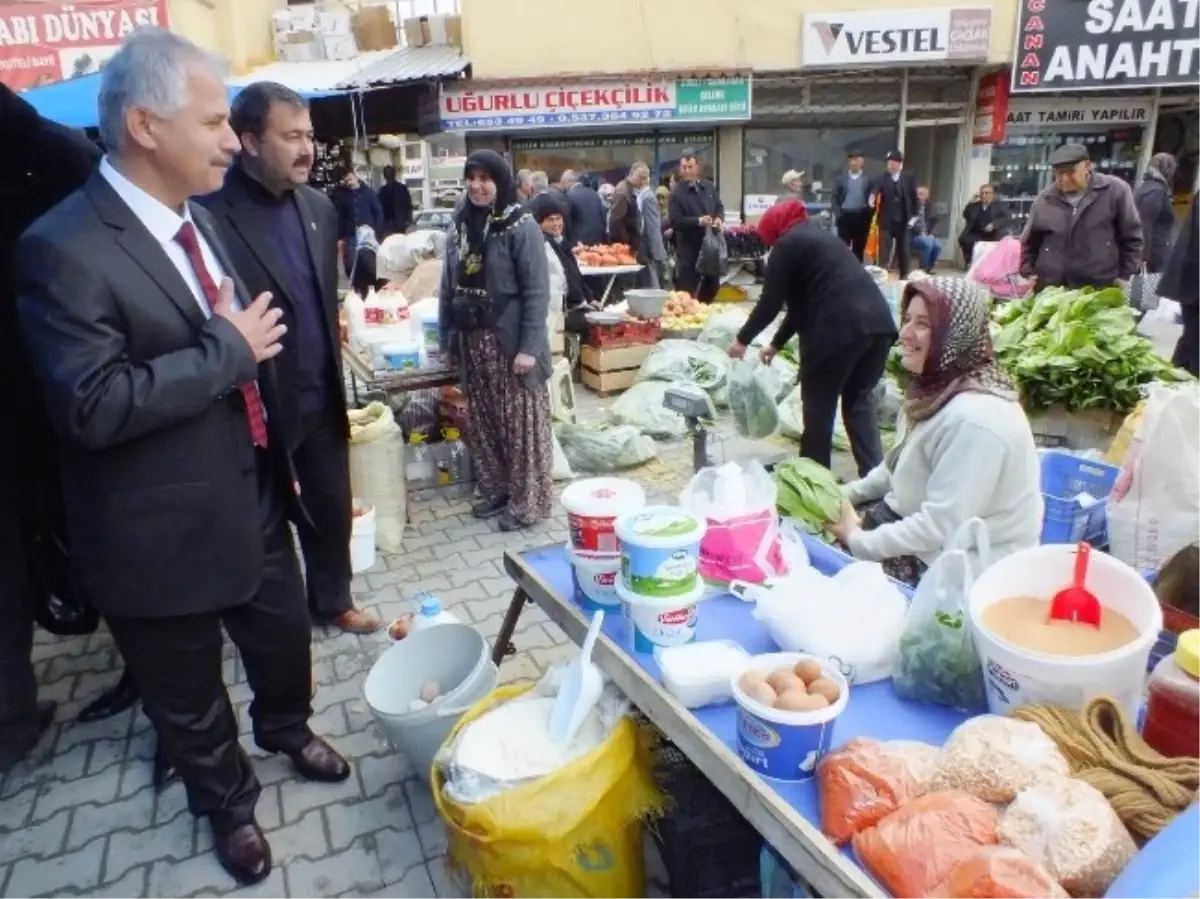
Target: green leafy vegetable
[937,662]
[809,493]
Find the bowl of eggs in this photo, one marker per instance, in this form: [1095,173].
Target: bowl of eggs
[787,703]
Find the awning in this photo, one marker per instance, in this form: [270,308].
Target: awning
[73,102]
[409,65]
[320,75]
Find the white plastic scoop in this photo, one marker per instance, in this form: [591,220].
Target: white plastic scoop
[580,689]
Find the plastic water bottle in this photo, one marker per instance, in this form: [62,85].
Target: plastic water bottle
[430,613]
[419,469]
[454,463]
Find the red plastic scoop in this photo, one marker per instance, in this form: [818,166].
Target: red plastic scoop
[1077,603]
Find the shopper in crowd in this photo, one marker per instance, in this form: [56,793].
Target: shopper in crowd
[851,205]
[540,182]
[653,250]
[357,205]
[845,327]
[281,234]
[928,247]
[793,186]
[965,451]
[524,186]
[41,163]
[494,300]
[396,201]
[567,284]
[607,194]
[1083,230]
[694,207]
[588,221]
[157,369]
[895,194]
[624,218]
[985,219]
[1181,283]
[1155,202]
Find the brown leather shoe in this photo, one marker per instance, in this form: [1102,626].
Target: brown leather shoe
[320,761]
[245,853]
[356,622]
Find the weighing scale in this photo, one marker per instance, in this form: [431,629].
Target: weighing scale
[694,405]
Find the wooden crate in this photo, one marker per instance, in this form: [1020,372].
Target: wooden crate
[610,370]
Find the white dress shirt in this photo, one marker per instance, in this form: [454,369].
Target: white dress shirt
[164,223]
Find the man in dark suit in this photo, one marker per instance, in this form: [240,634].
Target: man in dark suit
[396,200]
[41,163]
[851,212]
[895,193]
[985,219]
[157,373]
[282,237]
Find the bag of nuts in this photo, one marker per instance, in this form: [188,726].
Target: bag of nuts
[1069,828]
[995,758]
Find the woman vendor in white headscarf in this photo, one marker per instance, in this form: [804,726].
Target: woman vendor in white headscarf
[966,449]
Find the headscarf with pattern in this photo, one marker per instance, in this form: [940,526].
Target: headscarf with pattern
[960,358]
[473,224]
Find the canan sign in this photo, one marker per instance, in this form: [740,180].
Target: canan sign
[43,41]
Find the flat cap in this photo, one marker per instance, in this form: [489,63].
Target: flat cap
[1069,154]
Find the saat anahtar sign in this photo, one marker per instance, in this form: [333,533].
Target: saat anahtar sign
[1077,45]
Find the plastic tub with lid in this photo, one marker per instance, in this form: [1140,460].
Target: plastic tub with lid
[401,355]
[431,335]
[1173,707]
[593,506]
[698,674]
[651,622]
[660,551]
[595,577]
[1015,676]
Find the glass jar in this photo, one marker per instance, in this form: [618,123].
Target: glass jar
[1173,711]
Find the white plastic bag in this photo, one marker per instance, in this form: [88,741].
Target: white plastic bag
[685,360]
[377,471]
[642,406]
[791,420]
[1154,510]
[742,541]
[937,660]
[400,254]
[752,394]
[599,449]
[560,469]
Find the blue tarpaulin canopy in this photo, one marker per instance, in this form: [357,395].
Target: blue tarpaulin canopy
[73,102]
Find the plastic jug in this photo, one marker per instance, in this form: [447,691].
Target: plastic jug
[419,469]
[454,464]
[430,614]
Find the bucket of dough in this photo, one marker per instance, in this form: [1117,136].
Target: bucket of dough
[660,551]
[420,686]
[787,703]
[1029,660]
[592,508]
[595,576]
[654,621]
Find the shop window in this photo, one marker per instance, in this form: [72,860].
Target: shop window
[610,157]
[672,146]
[818,152]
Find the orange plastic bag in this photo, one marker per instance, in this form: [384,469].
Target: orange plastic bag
[872,247]
[912,850]
[998,872]
[858,785]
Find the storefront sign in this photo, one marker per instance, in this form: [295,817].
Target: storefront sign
[1070,113]
[595,104]
[757,204]
[414,169]
[991,109]
[1071,45]
[622,140]
[889,37]
[44,41]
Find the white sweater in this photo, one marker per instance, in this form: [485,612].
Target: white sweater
[974,459]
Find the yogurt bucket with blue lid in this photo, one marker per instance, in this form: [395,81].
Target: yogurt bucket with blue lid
[785,745]
[653,622]
[660,551]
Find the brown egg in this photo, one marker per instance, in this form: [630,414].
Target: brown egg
[824,686]
[798,701]
[782,680]
[747,681]
[760,691]
[808,670]
[399,628]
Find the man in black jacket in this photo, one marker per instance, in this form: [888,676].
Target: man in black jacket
[896,201]
[396,201]
[986,219]
[1181,283]
[357,205]
[41,163]
[851,205]
[588,222]
[693,208]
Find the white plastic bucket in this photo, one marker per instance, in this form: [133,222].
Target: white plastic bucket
[362,537]
[595,579]
[592,508]
[454,655]
[651,622]
[660,551]
[1015,676]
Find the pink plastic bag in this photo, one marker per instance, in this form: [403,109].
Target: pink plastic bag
[999,271]
[742,541]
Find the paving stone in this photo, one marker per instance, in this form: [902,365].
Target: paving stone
[304,839]
[301,796]
[416,884]
[202,875]
[44,839]
[446,883]
[432,835]
[128,849]
[378,772]
[15,810]
[398,852]
[132,813]
[134,883]
[79,870]
[353,870]
[350,820]
[106,753]
[99,789]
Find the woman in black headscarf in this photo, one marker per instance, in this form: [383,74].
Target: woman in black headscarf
[494,301]
[566,280]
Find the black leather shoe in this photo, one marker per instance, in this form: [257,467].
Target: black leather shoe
[489,508]
[111,702]
[319,761]
[245,853]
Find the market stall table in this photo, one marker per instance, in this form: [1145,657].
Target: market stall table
[608,271]
[786,814]
[389,382]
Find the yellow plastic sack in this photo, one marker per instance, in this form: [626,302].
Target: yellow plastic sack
[1124,439]
[576,832]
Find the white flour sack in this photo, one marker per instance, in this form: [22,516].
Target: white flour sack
[1154,510]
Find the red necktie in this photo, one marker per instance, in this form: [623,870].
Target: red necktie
[187,239]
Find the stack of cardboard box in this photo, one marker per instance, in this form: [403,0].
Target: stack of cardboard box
[314,31]
[433,31]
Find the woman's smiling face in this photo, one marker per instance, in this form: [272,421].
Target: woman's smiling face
[916,335]
[481,189]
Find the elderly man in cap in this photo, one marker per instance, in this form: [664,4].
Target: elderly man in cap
[895,193]
[1083,230]
[793,186]
[851,207]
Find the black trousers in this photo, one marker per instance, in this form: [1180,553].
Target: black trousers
[323,466]
[894,235]
[703,287]
[1187,349]
[176,665]
[853,228]
[968,239]
[18,686]
[848,376]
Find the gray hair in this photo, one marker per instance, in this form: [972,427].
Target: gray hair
[524,177]
[540,181]
[1165,164]
[568,178]
[150,71]
[637,168]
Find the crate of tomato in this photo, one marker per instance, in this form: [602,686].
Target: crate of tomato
[629,332]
